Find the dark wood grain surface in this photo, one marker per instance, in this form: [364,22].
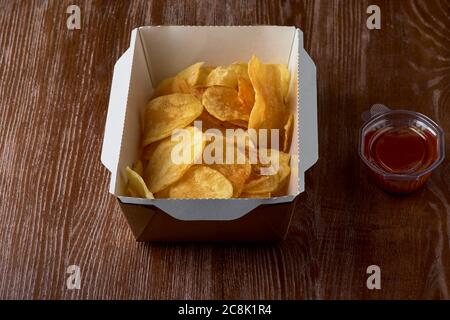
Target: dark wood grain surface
[55,209]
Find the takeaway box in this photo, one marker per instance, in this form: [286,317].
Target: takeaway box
[159,52]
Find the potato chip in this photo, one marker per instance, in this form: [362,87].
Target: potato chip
[198,92]
[285,80]
[283,162]
[167,113]
[256,195]
[283,174]
[262,184]
[236,172]
[222,76]
[163,194]
[284,169]
[148,150]
[171,85]
[223,103]
[202,182]
[246,94]
[138,167]
[162,170]
[203,76]
[241,69]
[136,186]
[269,110]
[269,183]
[228,76]
[193,74]
[288,128]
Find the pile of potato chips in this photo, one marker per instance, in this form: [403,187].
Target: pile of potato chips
[238,96]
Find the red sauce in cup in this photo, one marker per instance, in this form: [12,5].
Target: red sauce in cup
[401,149]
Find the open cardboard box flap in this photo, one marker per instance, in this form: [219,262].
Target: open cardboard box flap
[156,53]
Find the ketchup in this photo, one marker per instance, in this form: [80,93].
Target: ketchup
[403,151]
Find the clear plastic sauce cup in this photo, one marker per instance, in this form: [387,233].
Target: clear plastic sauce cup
[400,148]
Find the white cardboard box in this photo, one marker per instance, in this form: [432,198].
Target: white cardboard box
[160,52]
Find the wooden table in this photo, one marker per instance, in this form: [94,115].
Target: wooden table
[56,211]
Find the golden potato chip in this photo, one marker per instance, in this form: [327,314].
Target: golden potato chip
[260,162]
[193,74]
[256,195]
[198,92]
[285,80]
[163,169]
[148,150]
[228,76]
[136,185]
[269,183]
[284,169]
[167,113]
[222,76]
[241,69]
[262,184]
[236,172]
[138,167]
[269,110]
[202,182]
[246,94]
[288,127]
[223,103]
[171,85]
[203,76]
[162,194]
[283,174]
